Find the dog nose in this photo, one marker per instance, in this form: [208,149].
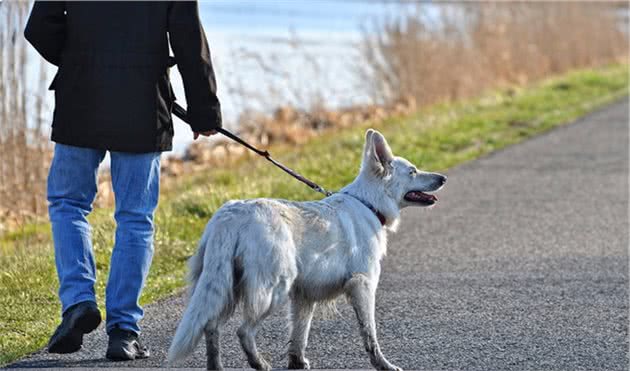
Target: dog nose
[443,179]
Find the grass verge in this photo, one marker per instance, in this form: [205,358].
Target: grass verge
[435,138]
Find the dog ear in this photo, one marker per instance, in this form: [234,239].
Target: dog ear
[382,150]
[368,135]
[377,154]
[367,147]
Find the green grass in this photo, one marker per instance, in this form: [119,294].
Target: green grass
[435,138]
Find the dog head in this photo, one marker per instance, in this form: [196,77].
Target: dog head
[395,177]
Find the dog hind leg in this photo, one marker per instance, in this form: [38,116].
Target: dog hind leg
[213,346]
[258,306]
[362,297]
[301,316]
[247,337]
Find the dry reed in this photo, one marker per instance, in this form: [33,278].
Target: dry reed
[24,149]
[436,52]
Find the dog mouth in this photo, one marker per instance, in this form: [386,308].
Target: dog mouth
[420,198]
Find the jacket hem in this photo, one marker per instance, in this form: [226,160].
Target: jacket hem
[115,147]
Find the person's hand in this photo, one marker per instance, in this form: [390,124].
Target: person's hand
[204,133]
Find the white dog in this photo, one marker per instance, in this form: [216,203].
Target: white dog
[264,252]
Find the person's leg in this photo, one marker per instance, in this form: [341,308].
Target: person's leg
[71,191]
[136,184]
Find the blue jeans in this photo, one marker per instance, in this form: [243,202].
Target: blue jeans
[71,191]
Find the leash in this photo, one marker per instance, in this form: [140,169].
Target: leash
[180,112]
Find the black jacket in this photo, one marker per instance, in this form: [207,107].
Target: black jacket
[112,89]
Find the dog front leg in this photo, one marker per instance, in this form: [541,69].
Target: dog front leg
[362,293]
[301,316]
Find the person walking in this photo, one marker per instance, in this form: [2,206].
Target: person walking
[112,93]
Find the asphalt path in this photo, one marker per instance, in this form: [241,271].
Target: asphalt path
[522,265]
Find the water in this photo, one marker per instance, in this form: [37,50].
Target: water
[322,65]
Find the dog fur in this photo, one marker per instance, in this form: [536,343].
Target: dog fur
[263,253]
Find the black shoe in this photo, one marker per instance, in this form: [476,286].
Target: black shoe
[79,319]
[125,346]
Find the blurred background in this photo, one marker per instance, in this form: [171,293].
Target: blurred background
[289,70]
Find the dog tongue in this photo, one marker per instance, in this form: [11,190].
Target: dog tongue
[419,196]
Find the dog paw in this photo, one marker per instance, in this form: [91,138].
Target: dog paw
[263,365]
[391,367]
[385,365]
[296,363]
[258,363]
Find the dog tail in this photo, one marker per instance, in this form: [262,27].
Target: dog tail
[211,282]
